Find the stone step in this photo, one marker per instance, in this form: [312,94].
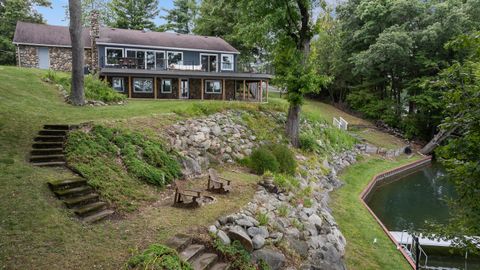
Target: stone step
[46,151]
[49,163]
[97,216]
[220,266]
[57,127]
[53,132]
[47,158]
[47,145]
[81,200]
[66,183]
[87,209]
[49,138]
[204,261]
[75,191]
[191,251]
[179,242]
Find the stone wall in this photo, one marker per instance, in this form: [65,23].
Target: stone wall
[27,56]
[60,58]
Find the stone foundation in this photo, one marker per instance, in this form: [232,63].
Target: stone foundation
[60,58]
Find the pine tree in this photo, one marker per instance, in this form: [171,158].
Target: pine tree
[134,14]
[181,18]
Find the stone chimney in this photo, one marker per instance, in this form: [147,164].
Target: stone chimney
[94,35]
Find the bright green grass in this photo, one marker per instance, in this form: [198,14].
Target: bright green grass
[358,226]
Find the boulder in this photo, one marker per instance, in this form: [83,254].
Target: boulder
[223,237]
[274,259]
[262,231]
[258,242]
[239,234]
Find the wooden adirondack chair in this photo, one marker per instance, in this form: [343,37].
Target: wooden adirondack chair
[217,183]
[182,197]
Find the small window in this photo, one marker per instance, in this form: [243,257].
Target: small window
[213,87]
[142,85]
[227,61]
[167,86]
[118,84]
[175,57]
[112,55]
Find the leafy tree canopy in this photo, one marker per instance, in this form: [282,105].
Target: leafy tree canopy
[134,14]
[181,17]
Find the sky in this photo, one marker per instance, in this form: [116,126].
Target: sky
[55,15]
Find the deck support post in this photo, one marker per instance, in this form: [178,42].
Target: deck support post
[223,89]
[155,87]
[202,88]
[244,89]
[179,88]
[266,89]
[261,91]
[129,86]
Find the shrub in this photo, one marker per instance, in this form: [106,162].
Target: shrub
[308,142]
[158,257]
[285,158]
[262,160]
[239,257]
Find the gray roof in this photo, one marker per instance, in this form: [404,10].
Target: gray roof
[51,35]
[44,34]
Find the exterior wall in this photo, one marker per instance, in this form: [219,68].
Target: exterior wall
[195,89]
[60,58]
[189,57]
[173,95]
[27,56]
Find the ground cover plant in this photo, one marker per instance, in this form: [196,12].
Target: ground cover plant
[158,257]
[275,158]
[114,160]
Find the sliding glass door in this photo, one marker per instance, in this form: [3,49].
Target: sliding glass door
[209,62]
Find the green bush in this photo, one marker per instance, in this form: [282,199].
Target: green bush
[285,158]
[308,142]
[262,160]
[158,257]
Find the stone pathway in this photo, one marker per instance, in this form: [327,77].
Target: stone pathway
[48,150]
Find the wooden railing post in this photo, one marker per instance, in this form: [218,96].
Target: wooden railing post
[261,91]
[130,86]
[202,88]
[266,89]
[179,88]
[224,90]
[155,87]
[244,89]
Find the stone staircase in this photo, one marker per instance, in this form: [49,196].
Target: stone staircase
[196,254]
[48,150]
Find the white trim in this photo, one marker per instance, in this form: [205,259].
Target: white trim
[171,86]
[209,54]
[168,61]
[216,93]
[164,48]
[140,78]
[46,45]
[221,61]
[114,48]
[188,88]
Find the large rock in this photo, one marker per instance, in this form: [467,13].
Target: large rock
[258,242]
[299,246]
[262,231]
[315,220]
[274,259]
[223,237]
[191,166]
[239,234]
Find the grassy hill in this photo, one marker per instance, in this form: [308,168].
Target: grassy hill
[36,231]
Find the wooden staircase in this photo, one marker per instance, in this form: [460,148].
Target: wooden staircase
[48,150]
[196,254]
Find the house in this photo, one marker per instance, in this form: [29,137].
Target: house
[144,64]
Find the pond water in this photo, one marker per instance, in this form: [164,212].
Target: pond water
[414,200]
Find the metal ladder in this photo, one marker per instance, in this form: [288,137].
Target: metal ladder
[414,250]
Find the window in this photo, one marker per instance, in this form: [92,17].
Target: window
[112,55]
[142,85]
[167,86]
[117,84]
[209,62]
[213,87]
[227,61]
[175,57]
[160,60]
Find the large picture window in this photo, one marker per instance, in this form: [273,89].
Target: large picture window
[118,84]
[175,57]
[227,61]
[112,55]
[142,85]
[213,87]
[167,86]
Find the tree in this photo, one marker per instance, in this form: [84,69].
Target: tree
[12,11]
[181,18]
[285,28]
[134,14]
[88,6]
[77,96]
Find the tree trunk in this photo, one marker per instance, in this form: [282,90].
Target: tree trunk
[437,140]
[293,123]
[77,96]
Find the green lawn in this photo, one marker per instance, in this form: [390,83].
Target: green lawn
[358,226]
